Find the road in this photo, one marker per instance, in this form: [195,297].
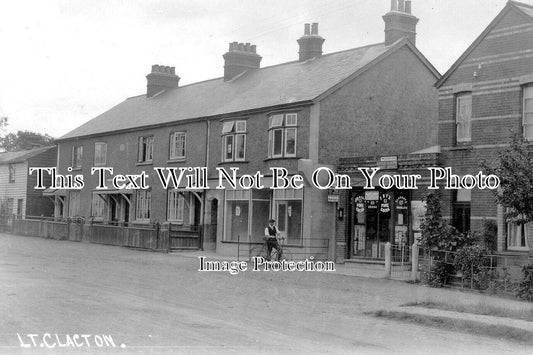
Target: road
[155,303]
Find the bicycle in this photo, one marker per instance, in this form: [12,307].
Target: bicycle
[262,251]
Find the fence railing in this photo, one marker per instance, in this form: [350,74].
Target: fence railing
[151,236]
[492,272]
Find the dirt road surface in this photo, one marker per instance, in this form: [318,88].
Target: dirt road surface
[153,303]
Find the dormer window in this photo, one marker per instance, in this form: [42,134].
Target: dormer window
[282,133]
[234,141]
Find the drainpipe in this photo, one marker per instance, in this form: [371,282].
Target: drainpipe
[208,131]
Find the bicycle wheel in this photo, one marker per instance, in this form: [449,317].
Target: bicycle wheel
[259,251]
[286,255]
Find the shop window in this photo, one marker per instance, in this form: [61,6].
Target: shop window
[77,155]
[143,205]
[177,145]
[247,214]
[100,154]
[463,118]
[461,210]
[234,141]
[527,119]
[282,135]
[146,149]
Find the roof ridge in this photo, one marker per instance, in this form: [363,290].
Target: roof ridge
[521,4]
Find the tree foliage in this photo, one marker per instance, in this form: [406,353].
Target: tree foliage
[514,167]
[23,140]
[436,232]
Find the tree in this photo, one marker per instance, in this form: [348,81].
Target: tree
[23,140]
[514,167]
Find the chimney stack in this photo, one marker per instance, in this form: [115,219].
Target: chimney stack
[310,43]
[162,77]
[239,58]
[399,22]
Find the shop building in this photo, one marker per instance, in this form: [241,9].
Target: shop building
[367,219]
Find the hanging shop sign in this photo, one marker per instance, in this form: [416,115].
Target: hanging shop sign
[359,204]
[401,203]
[385,201]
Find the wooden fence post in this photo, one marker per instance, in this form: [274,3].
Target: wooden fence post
[157,229]
[414,262]
[169,234]
[388,260]
[41,232]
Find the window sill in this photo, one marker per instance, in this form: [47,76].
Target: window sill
[144,163]
[282,158]
[180,160]
[76,169]
[462,147]
[517,251]
[234,162]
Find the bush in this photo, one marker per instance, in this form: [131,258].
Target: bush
[525,288]
[474,263]
[490,235]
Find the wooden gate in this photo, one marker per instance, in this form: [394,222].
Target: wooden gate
[184,237]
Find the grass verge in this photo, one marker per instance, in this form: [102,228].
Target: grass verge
[460,325]
[482,309]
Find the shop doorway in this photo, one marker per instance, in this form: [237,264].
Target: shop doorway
[377,217]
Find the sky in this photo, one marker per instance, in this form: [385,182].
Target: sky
[63,62]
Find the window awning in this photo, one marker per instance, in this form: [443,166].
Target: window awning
[54,192]
[113,191]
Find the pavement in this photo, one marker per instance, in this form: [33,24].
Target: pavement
[153,303]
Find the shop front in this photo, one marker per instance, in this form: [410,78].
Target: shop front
[375,217]
[378,217]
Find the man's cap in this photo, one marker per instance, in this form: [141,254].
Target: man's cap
[271,221]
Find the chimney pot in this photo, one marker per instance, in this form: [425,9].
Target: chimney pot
[401,5]
[314,28]
[241,47]
[247,47]
[408,6]
[307,29]
[253,48]
[394,5]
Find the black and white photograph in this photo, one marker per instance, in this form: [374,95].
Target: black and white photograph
[266,177]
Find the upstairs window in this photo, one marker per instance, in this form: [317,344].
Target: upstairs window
[177,145]
[77,155]
[146,149]
[282,133]
[527,120]
[463,118]
[234,141]
[12,172]
[100,154]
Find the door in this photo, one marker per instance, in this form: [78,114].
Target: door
[281,219]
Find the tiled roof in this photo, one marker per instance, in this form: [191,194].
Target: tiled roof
[270,86]
[21,155]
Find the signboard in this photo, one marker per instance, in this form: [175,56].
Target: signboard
[371,195]
[388,163]
[333,198]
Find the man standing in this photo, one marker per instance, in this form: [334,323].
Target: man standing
[271,234]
